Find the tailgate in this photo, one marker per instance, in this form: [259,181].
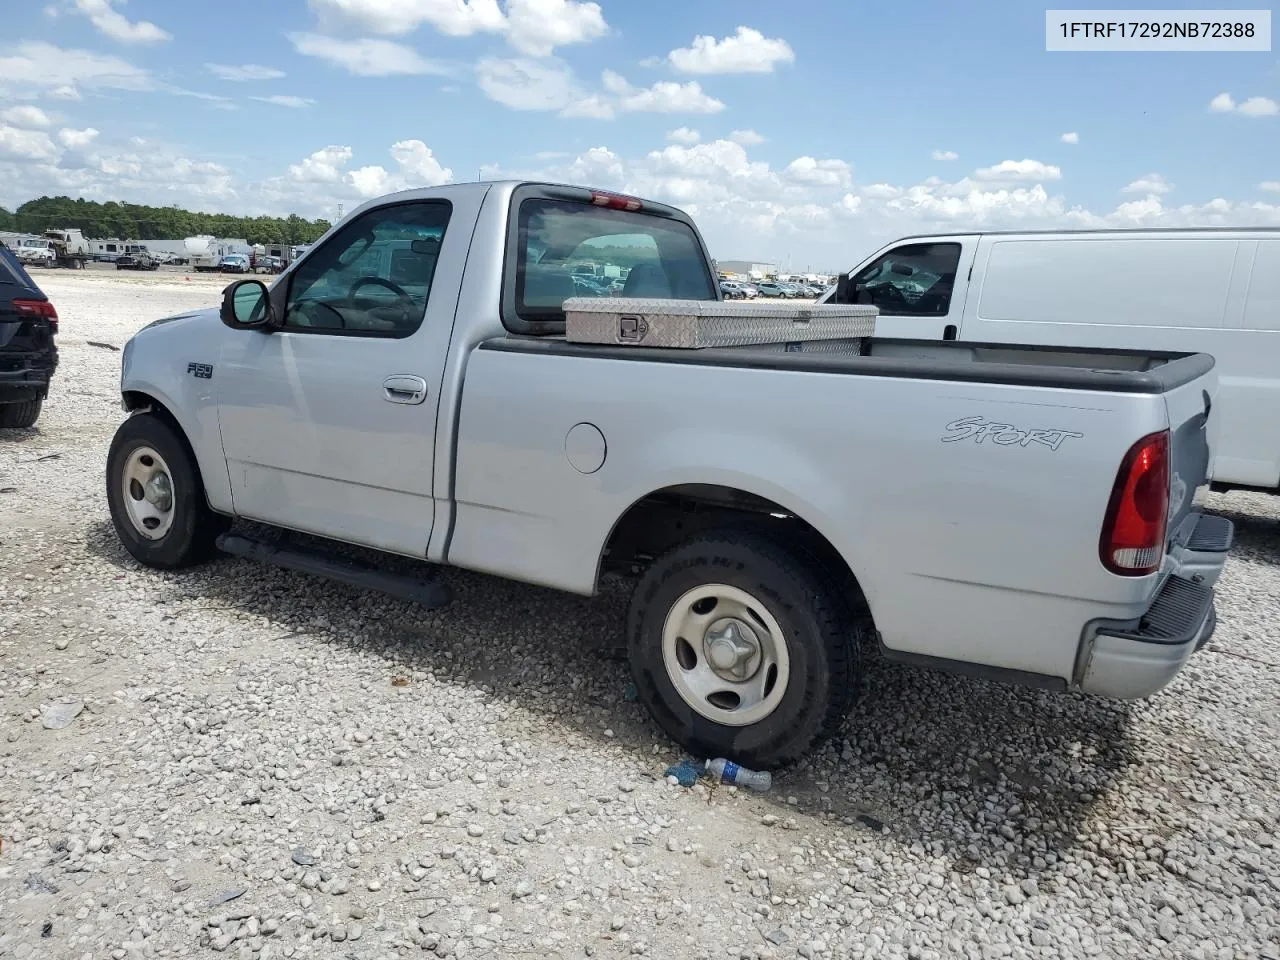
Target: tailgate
[1189,407]
[24,336]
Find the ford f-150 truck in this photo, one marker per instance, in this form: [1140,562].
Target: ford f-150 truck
[1013,512]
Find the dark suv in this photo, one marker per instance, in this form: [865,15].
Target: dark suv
[28,356]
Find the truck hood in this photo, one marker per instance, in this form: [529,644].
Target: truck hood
[191,317]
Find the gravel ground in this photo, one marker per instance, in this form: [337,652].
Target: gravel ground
[267,765]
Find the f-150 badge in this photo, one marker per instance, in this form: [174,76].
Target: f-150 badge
[203,371]
[1005,434]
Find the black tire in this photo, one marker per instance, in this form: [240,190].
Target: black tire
[823,629]
[194,528]
[19,415]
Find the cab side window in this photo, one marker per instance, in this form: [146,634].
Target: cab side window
[915,280]
[373,277]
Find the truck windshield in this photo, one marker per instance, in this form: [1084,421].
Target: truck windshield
[569,249]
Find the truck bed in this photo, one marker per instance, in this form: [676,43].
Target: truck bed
[1114,371]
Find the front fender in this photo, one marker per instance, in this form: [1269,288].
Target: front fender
[173,363]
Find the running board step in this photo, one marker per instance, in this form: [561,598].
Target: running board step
[431,594]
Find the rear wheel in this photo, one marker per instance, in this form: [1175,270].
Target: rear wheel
[156,496]
[744,648]
[23,414]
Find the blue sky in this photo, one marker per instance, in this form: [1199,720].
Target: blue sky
[809,132]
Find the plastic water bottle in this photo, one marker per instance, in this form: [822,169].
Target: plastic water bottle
[726,771]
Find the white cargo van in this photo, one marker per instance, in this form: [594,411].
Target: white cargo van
[1213,291]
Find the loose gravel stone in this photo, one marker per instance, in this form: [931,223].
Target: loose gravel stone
[435,765]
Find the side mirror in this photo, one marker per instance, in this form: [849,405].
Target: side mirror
[246,305]
[844,289]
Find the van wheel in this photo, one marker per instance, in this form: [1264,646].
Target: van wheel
[156,496]
[743,648]
[20,415]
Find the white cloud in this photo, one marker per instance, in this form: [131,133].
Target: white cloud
[1148,184]
[25,116]
[366,57]
[244,72]
[526,84]
[1072,137]
[117,26]
[747,138]
[747,51]
[663,97]
[25,145]
[825,173]
[684,135]
[416,167]
[537,27]
[1019,170]
[75,139]
[456,18]
[945,155]
[533,27]
[285,100]
[1253,107]
[44,67]
[549,84]
[1270,186]
[323,166]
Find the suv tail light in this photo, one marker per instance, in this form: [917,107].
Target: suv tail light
[38,308]
[1133,533]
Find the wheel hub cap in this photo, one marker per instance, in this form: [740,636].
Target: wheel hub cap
[159,491]
[732,648]
[725,654]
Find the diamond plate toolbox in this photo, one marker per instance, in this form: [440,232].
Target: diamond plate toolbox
[692,324]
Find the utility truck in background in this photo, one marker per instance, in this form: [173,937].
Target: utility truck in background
[411,387]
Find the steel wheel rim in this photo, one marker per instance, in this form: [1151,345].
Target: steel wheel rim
[725,654]
[146,484]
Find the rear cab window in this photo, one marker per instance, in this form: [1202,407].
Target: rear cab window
[560,247]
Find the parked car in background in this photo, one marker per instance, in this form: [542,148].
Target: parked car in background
[1214,291]
[28,355]
[733,290]
[137,257]
[771,288]
[411,387]
[234,263]
[268,264]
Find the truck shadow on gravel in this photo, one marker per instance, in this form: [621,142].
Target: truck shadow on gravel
[980,774]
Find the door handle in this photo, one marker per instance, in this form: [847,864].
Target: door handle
[404,389]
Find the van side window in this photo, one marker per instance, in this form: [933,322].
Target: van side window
[914,280]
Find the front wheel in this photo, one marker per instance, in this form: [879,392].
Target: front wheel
[744,648]
[156,496]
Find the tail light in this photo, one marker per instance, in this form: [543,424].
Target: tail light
[615,201]
[38,308]
[1133,533]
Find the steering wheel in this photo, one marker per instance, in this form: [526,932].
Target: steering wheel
[888,296]
[308,304]
[403,301]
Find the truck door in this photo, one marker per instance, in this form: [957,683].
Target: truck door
[328,423]
[919,287]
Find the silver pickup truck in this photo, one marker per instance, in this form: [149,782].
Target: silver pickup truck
[1012,512]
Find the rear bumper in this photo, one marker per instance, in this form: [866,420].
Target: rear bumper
[26,375]
[1134,659]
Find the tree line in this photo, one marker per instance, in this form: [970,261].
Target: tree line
[135,221]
